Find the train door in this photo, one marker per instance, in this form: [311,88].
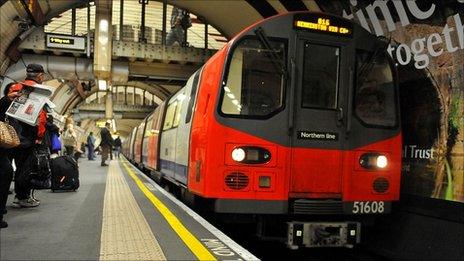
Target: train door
[318,107]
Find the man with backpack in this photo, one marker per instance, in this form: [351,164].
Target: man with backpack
[180,22]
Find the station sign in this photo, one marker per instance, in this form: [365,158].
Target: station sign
[321,23]
[65,42]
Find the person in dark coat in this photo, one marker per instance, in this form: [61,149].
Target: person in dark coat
[180,22]
[52,129]
[6,173]
[91,146]
[117,146]
[106,143]
[31,137]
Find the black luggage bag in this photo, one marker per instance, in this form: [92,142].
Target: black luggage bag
[65,173]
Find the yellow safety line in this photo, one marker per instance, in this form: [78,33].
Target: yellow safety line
[200,251]
[125,234]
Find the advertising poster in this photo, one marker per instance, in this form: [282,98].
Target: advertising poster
[427,44]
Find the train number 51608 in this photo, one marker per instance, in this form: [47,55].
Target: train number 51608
[368,207]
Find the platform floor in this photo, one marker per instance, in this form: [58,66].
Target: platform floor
[118,213]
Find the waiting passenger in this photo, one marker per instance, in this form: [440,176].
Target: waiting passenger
[52,136]
[180,22]
[31,139]
[69,137]
[91,146]
[117,146]
[106,143]
[6,173]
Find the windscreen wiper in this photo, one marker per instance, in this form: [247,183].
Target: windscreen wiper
[276,60]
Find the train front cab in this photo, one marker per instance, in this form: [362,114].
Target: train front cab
[305,126]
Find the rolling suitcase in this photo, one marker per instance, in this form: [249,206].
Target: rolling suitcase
[65,173]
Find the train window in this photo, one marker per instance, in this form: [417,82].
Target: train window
[320,76]
[375,102]
[193,94]
[180,99]
[156,115]
[149,126]
[254,84]
[170,113]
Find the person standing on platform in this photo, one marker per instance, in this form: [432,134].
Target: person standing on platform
[52,136]
[106,143]
[117,146]
[31,138]
[69,138]
[91,146]
[6,173]
[180,22]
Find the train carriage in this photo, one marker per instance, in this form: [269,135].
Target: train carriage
[138,144]
[294,121]
[130,145]
[150,152]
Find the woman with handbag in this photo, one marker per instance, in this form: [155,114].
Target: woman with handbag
[8,140]
[52,136]
[69,138]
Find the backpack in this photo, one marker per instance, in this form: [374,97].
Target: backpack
[40,172]
[55,142]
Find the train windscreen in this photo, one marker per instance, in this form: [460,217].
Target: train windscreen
[320,76]
[375,103]
[254,86]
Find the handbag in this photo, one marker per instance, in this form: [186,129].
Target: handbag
[68,139]
[55,142]
[8,136]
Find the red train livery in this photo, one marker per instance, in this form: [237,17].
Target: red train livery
[294,123]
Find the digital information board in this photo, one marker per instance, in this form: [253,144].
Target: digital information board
[65,42]
[326,24]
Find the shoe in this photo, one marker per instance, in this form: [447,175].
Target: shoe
[25,203]
[3,224]
[104,164]
[35,199]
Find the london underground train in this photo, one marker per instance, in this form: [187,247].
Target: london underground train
[294,123]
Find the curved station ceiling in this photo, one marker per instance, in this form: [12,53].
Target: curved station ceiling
[24,24]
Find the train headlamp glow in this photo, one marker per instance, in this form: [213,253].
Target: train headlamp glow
[251,155]
[373,161]
[238,154]
[381,161]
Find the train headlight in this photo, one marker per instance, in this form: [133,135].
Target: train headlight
[251,155]
[373,161]
[381,161]
[238,154]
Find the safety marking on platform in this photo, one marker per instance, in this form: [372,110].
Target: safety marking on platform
[213,244]
[197,248]
[150,186]
[126,234]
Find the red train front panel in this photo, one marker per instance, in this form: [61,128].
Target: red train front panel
[286,113]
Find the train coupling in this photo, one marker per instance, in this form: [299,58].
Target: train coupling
[324,234]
